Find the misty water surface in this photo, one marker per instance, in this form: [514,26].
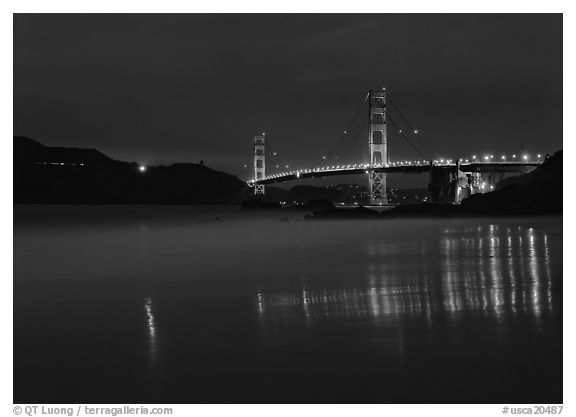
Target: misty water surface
[169,304]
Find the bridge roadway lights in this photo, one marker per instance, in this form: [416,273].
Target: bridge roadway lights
[448,183]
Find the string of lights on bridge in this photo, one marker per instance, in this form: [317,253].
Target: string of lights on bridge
[484,159]
[407,133]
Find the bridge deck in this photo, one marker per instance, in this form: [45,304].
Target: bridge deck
[509,166]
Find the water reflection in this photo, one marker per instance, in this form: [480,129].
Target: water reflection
[486,271]
[152,344]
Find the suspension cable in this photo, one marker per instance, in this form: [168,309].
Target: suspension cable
[399,131]
[349,127]
[409,124]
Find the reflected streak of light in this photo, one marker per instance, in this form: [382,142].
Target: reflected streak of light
[150,323]
[535,277]
[496,277]
[260,303]
[452,304]
[150,319]
[305,304]
[483,279]
[511,274]
[548,273]
[374,305]
[522,273]
[486,282]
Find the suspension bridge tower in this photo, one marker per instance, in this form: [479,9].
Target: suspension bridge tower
[378,146]
[259,161]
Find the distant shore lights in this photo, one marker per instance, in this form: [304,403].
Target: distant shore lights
[142,168]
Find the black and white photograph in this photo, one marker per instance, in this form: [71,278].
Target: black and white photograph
[287,208]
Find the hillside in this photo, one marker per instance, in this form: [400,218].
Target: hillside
[304,194]
[28,151]
[58,175]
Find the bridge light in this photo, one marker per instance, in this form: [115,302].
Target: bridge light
[473,156]
[142,168]
[503,157]
[525,157]
[415,131]
[441,161]
[274,153]
[400,131]
[539,156]
[491,156]
[486,157]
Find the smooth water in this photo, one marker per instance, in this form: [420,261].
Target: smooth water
[168,304]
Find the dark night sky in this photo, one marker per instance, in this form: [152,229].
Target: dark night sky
[176,88]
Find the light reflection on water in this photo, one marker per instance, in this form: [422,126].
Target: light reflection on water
[152,343]
[249,309]
[483,270]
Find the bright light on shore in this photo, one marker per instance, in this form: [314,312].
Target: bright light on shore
[142,168]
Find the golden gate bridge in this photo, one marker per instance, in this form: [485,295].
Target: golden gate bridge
[451,180]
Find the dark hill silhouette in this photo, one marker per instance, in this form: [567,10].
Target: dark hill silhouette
[58,175]
[28,150]
[304,194]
